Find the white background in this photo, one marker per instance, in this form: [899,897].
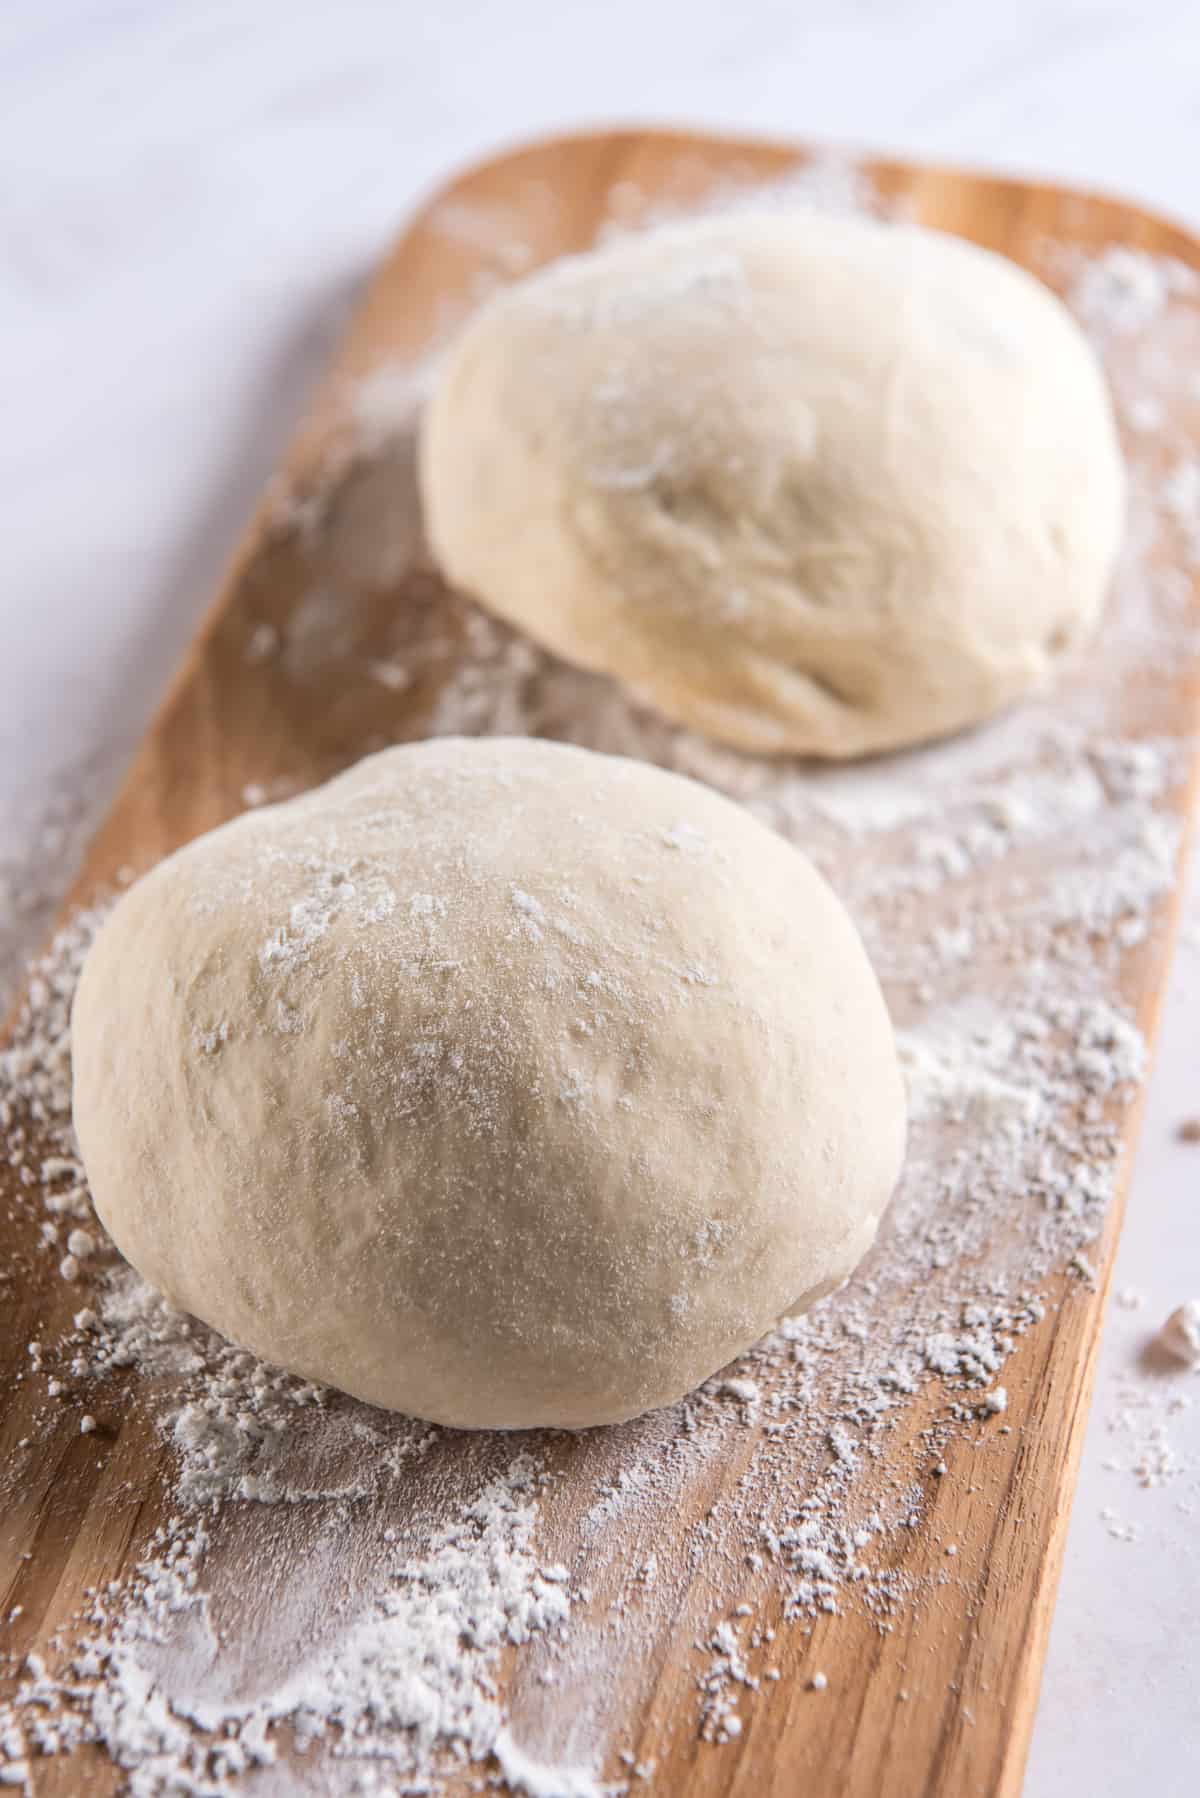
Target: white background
[188,195]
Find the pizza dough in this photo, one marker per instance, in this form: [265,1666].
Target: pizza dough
[496,1081]
[805,483]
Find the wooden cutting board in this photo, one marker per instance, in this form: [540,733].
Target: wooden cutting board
[242,721]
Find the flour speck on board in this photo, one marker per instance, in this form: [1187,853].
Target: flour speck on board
[1003,882]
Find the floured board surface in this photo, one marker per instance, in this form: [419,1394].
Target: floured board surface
[832,1570]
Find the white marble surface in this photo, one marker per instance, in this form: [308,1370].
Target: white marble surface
[190,193]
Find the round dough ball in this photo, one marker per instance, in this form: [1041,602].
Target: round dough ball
[808,484]
[496,1081]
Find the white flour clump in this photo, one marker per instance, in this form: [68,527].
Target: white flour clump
[1010,885]
[1180,1335]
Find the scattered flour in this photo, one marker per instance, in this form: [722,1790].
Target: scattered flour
[1119,1531]
[1146,1401]
[536,1780]
[411,1673]
[829,182]
[1122,292]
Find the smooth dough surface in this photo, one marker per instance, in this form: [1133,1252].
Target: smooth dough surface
[496,1081]
[808,484]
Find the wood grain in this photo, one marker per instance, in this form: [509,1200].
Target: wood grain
[942,1701]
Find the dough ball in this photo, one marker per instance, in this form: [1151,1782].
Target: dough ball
[496,1081]
[808,484]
